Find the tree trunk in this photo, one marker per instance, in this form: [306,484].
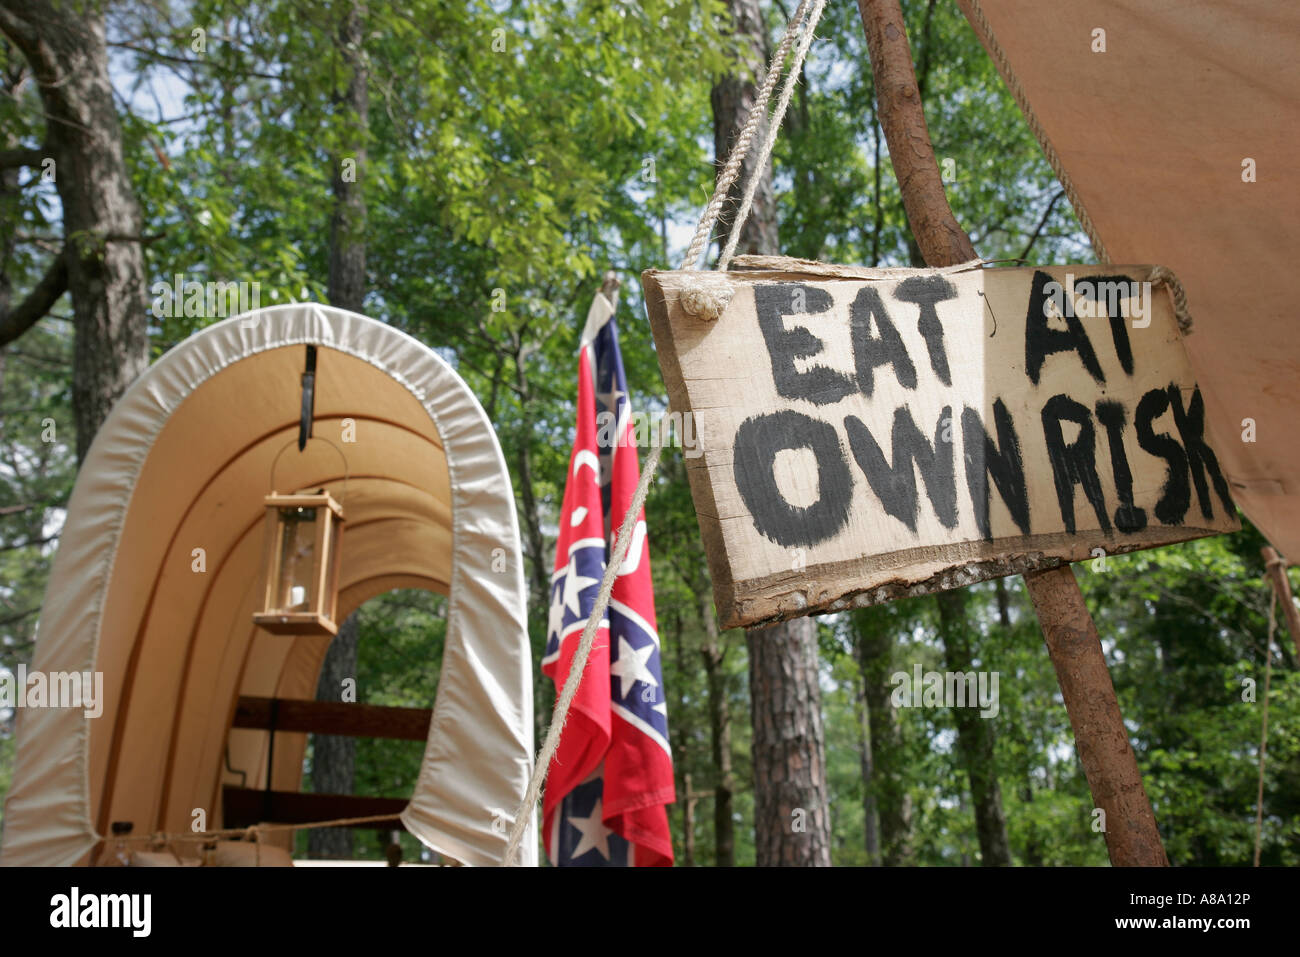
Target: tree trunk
[888,785]
[534,543]
[14,80]
[939,240]
[724,826]
[334,757]
[870,810]
[533,538]
[347,265]
[1132,839]
[975,737]
[733,98]
[103,258]
[1033,853]
[789,766]
[791,815]
[1004,603]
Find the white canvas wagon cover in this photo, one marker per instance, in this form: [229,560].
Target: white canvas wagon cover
[183,463]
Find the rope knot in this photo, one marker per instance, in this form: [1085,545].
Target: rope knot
[706,300]
[1164,276]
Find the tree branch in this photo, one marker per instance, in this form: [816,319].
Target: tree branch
[14,546]
[186,61]
[939,238]
[14,619]
[1042,223]
[21,156]
[38,302]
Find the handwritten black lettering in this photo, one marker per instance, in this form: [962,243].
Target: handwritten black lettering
[1128,517]
[870,350]
[1002,461]
[1102,290]
[758,440]
[818,384]
[895,485]
[925,291]
[1191,428]
[1176,494]
[1074,463]
[1041,340]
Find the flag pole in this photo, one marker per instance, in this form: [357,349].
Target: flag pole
[603,306]
[1128,820]
[630,746]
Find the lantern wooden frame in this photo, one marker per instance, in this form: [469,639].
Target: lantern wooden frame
[321,599]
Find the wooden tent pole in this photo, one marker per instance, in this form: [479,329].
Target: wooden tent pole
[1099,733]
[1275,566]
[1068,629]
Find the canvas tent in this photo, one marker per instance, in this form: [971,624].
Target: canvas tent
[183,463]
[1151,137]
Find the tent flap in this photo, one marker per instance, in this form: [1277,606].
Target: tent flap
[1175,126]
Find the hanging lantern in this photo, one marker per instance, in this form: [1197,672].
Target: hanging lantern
[302,564]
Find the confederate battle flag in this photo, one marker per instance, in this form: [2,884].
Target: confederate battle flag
[612,776]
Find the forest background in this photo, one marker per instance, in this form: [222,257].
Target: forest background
[468,172]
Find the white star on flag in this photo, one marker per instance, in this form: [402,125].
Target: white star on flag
[574,584]
[555,615]
[595,835]
[631,666]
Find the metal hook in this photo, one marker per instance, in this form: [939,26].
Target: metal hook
[315,438]
[308,413]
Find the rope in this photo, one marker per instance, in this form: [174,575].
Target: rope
[579,664]
[1049,151]
[740,149]
[1160,275]
[247,833]
[787,89]
[712,301]
[1164,276]
[1263,733]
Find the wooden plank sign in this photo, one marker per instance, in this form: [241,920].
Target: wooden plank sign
[870,434]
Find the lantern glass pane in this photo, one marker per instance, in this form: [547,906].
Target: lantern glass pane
[294,586]
[333,556]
